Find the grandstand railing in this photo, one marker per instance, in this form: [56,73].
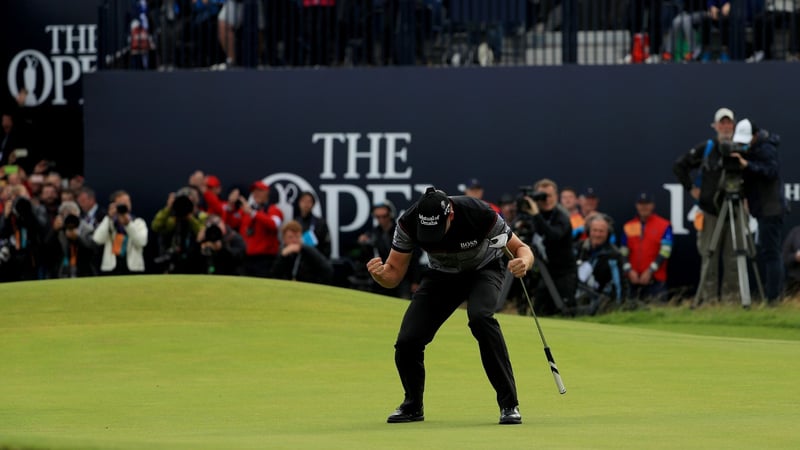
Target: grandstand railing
[178,34]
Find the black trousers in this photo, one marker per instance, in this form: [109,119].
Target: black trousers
[438,296]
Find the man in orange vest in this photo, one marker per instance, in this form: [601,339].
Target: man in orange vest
[646,246]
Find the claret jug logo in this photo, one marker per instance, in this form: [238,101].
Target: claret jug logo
[72,52]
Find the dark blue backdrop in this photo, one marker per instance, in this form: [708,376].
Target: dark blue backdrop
[357,136]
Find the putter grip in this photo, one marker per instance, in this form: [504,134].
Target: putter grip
[556,376]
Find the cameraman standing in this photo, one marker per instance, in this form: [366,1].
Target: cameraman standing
[551,240]
[763,189]
[178,224]
[707,159]
[123,237]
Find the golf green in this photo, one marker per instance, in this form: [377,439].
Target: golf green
[198,362]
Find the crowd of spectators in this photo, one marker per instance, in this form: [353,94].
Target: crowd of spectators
[219,34]
[57,228]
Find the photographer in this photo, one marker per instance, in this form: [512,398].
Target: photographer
[707,159]
[261,221]
[178,225]
[221,248]
[763,188]
[123,237]
[21,237]
[546,227]
[68,246]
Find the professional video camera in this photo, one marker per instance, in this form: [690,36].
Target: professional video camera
[528,191]
[731,181]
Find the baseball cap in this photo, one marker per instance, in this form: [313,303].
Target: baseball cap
[744,132]
[589,192]
[644,197]
[506,199]
[472,183]
[260,185]
[722,113]
[213,182]
[432,211]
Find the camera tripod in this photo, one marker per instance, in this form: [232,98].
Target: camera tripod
[733,213]
[541,265]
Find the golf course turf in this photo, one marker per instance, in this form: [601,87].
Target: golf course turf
[199,362]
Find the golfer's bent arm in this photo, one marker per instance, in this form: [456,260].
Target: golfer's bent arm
[390,273]
[522,253]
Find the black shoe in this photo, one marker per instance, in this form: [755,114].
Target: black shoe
[510,416]
[405,413]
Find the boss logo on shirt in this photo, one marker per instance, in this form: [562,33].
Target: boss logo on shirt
[470,244]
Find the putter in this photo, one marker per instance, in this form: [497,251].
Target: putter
[501,241]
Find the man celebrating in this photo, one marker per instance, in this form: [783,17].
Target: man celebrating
[456,233]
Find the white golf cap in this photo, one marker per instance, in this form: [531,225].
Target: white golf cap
[722,113]
[744,132]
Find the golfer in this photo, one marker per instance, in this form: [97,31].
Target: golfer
[456,233]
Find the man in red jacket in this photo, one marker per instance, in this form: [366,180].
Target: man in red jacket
[646,246]
[260,224]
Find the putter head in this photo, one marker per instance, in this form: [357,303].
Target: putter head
[499,241]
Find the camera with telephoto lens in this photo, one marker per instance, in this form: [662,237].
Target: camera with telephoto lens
[71,222]
[182,206]
[122,209]
[529,191]
[213,234]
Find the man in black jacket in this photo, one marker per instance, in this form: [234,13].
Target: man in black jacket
[300,262]
[705,161]
[763,189]
[551,238]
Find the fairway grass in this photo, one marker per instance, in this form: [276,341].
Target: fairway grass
[194,362]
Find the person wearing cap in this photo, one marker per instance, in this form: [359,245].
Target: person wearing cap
[763,189]
[473,188]
[699,171]
[260,224]
[458,233]
[210,188]
[646,245]
[588,202]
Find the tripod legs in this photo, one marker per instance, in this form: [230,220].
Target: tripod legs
[732,214]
